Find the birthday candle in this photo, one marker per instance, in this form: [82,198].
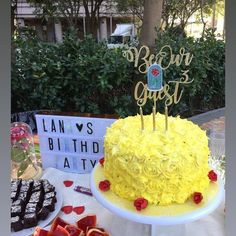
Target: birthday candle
[141,115]
[166,117]
[154,117]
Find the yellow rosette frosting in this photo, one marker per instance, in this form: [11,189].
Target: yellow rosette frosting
[162,167]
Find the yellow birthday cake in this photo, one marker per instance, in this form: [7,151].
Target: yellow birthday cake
[161,167]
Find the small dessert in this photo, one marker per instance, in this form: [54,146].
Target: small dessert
[30,220]
[31,208]
[16,210]
[31,201]
[16,223]
[14,195]
[36,197]
[43,213]
[49,204]
[37,186]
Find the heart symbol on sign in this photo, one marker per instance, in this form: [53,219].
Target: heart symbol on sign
[79,127]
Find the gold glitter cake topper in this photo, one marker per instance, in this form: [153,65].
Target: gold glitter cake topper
[153,66]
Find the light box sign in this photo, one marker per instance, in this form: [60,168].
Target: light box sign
[71,143]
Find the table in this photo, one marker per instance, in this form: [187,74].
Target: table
[211,225]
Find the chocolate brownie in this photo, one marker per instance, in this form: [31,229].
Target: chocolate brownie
[18,202]
[31,201]
[50,195]
[24,196]
[14,195]
[17,210]
[37,186]
[36,197]
[16,223]
[43,213]
[31,208]
[49,204]
[30,220]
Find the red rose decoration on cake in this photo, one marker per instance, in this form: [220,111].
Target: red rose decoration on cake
[197,197]
[212,176]
[101,161]
[104,185]
[155,72]
[140,203]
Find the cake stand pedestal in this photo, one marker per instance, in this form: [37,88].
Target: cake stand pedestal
[175,214]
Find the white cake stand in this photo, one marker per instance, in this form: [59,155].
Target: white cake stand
[156,215]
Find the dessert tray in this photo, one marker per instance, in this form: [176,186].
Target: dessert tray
[43,223]
[156,215]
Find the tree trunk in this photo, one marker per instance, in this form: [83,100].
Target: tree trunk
[91,25]
[151,21]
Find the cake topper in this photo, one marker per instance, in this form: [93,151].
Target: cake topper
[154,66]
[154,83]
[155,77]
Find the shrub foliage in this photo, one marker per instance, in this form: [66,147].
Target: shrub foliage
[85,76]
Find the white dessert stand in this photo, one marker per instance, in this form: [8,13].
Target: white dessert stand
[156,215]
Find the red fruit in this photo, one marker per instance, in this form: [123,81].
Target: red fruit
[89,220]
[104,185]
[212,176]
[68,183]
[40,232]
[101,161]
[73,230]
[67,209]
[60,231]
[197,197]
[140,203]
[96,232]
[79,210]
[58,221]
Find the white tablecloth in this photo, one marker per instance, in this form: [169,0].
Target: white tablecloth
[212,225]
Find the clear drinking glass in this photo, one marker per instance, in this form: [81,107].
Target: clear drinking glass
[23,158]
[217,149]
[217,143]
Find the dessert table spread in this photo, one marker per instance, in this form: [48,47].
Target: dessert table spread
[212,224]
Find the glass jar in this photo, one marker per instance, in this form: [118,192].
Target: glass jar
[23,158]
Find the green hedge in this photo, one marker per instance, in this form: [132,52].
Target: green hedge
[207,68]
[82,76]
[85,76]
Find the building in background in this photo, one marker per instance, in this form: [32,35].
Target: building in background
[52,31]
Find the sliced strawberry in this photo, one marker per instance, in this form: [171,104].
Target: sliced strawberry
[73,230]
[86,221]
